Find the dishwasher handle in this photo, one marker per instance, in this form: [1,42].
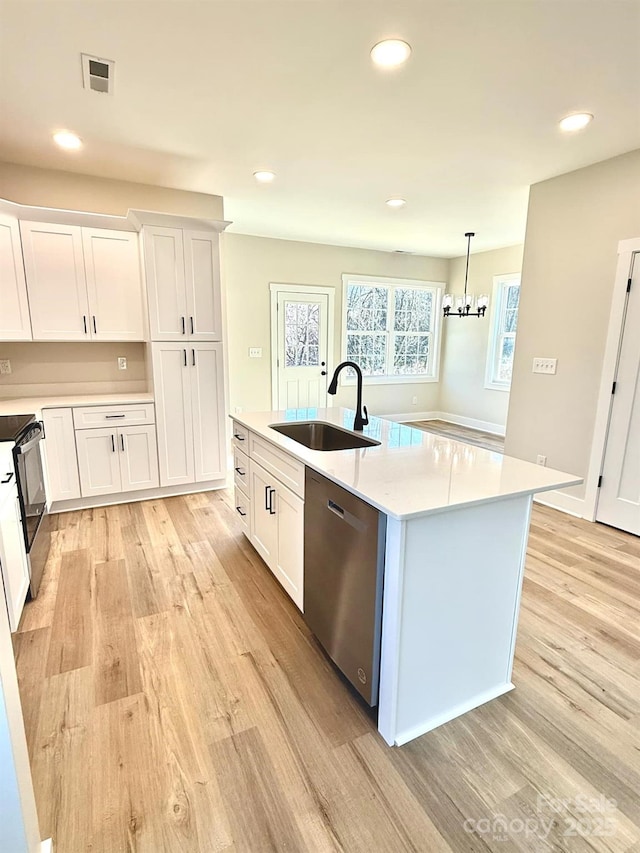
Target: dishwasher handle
[335,508]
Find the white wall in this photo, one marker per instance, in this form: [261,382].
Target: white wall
[466,341]
[574,224]
[250,264]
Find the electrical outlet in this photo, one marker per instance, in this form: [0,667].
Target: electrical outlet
[545,365]
[414,400]
[238,410]
[5,366]
[122,363]
[541,460]
[255,352]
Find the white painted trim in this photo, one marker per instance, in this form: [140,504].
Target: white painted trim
[173,220]
[626,253]
[32,213]
[465,707]
[436,334]
[310,290]
[459,420]
[46,846]
[496,304]
[560,500]
[136,497]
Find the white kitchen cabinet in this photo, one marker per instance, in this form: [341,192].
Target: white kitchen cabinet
[15,323]
[139,457]
[112,460]
[182,270]
[114,285]
[98,461]
[188,389]
[83,283]
[13,557]
[63,481]
[56,282]
[277,529]
[243,509]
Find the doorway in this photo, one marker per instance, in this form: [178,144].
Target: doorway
[619,498]
[301,344]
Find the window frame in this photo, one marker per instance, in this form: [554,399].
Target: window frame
[437,288]
[500,284]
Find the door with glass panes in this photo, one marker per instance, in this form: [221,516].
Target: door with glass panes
[302,350]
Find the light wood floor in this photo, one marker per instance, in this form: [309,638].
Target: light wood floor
[175,702]
[461,433]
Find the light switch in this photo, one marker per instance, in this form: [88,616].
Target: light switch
[545,365]
[255,352]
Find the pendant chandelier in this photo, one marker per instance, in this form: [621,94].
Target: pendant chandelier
[464,304]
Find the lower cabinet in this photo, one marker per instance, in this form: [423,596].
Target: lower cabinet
[277,529]
[13,557]
[61,460]
[122,459]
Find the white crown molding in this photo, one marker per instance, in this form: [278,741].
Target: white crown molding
[32,213]
[139,218]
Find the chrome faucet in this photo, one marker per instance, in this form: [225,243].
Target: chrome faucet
[361,420]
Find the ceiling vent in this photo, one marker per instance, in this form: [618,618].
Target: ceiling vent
[97,74]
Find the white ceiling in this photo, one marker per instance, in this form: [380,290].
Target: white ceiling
[207,92]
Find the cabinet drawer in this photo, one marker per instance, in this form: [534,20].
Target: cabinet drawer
[240,436]
[241,469]
[242,506]
[129,414]
[288,470]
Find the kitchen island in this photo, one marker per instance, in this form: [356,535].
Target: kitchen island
[457,522]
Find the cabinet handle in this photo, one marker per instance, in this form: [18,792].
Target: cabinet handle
[271,494]
[239,509]
[240,471]
[191,319]
[238,436]
[113,417]
[95,328]
[266,497]
[184,328]
[193,357]
[84,323]
[9,476]
[113,444]
[122,442]
[184,353]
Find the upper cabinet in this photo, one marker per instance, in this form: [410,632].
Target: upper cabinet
[83,283]
[182,270]
[14,305]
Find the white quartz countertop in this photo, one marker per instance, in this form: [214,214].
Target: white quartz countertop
[412,472]
[35,405]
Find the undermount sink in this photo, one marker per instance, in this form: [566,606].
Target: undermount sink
[318,435]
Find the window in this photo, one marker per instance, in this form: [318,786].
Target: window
[502,337]
[392,328]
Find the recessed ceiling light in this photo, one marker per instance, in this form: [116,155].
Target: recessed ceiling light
[396,202]
[264,176]
[68,140]
[576,121]
[390,52]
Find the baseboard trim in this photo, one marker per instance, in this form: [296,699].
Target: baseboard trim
[458,711]
[459,420]
[560,500]
[136,497]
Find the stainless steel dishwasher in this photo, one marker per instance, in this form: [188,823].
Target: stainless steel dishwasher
[344,540]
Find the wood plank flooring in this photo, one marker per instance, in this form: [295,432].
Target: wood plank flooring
[175,702]
[478,437]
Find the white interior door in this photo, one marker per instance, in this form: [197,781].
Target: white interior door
[619,502]
[302,341]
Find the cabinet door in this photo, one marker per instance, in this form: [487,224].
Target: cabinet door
[207,401]
[56,283]
[138,457]
[98,461]
[13,557]
[164,272]
[63,482]
[15,324]
[202,272]
[114,286]
[289,565]
[174,416]
[264,529]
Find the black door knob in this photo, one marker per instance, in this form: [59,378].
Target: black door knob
[323,373]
